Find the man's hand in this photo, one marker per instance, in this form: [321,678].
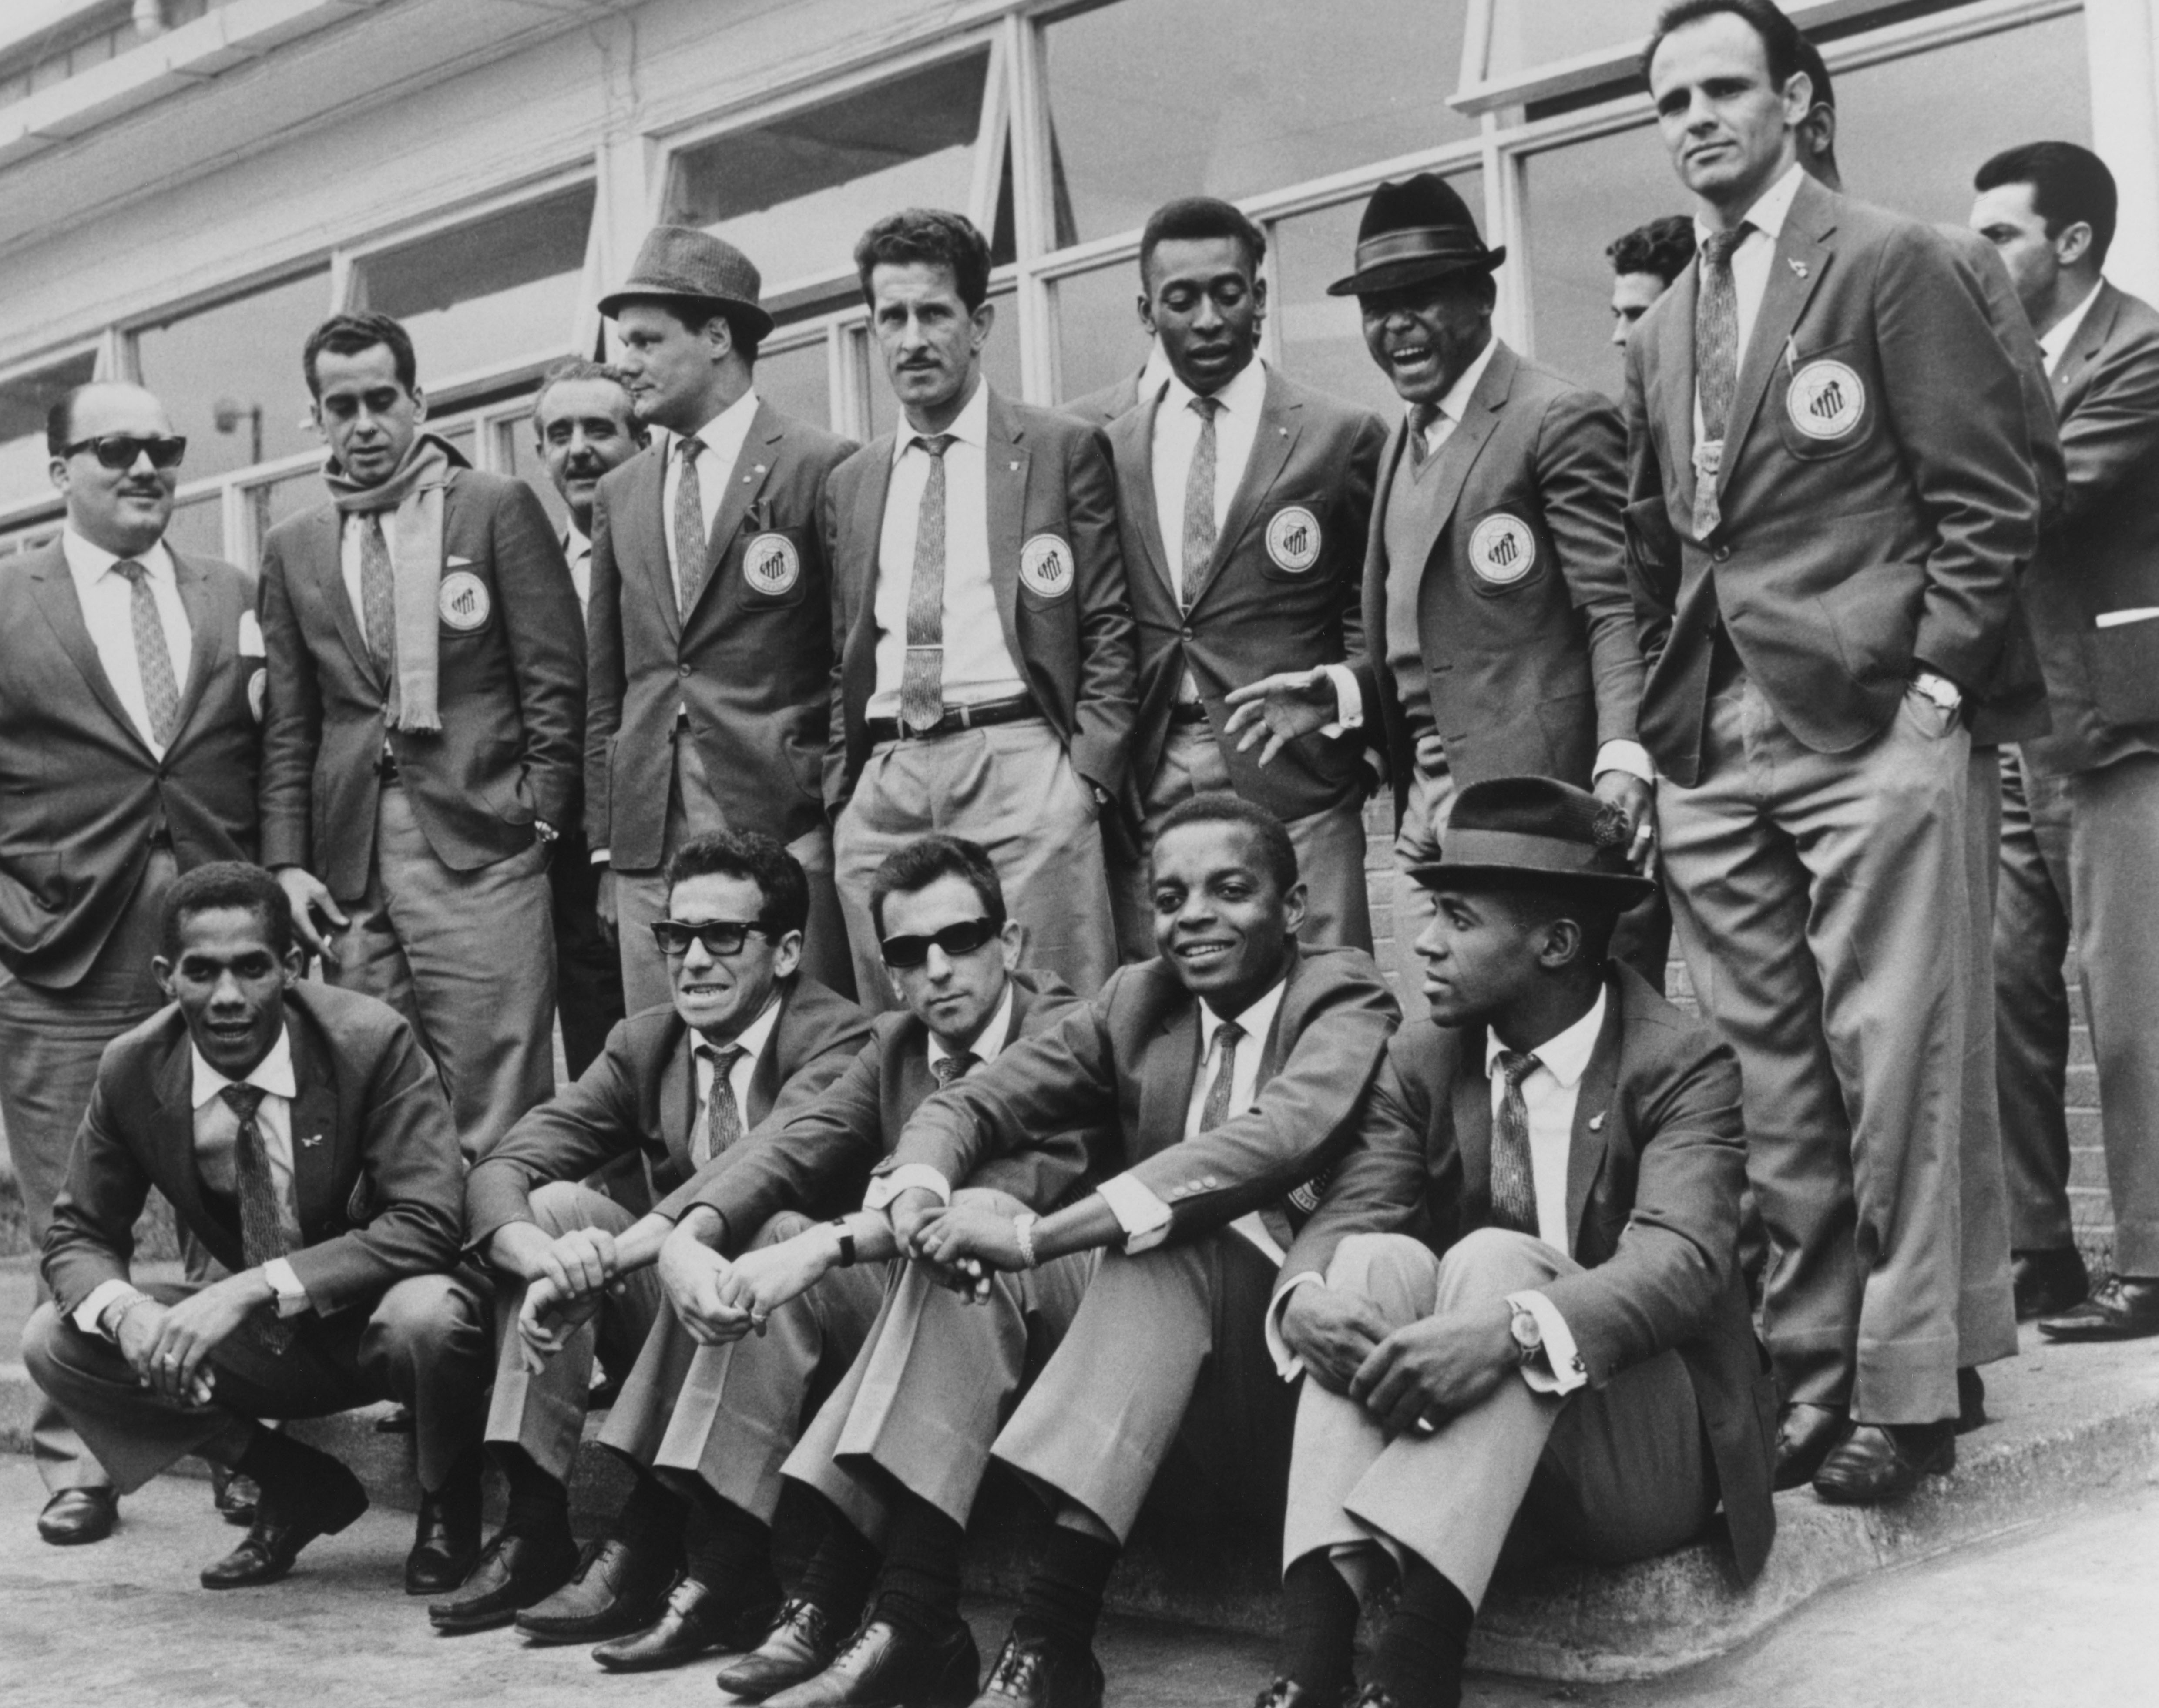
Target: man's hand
[693,1275]
[1435,1368]
[1638,801]
[138,1329]
[547,1319]
[308,896]
[765,1277]
[909,1213]
[580,1263]
[1332,1333]
[195,1327]
[603,904]
[971,1230]
[1283,707]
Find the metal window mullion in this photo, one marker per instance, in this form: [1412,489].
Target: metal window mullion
[1033,223]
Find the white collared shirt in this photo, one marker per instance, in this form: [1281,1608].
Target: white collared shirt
[1155,373]
[2054,342]
[987,1046]
[578,549]
[1752,255]
[1177,427]
[1454,406]
[751,1040]
[723,437]
[107,599]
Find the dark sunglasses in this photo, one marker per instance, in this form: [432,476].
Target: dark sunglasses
[963,939]
[721,938]
[120,450]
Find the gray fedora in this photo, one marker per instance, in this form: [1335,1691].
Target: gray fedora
[682,264]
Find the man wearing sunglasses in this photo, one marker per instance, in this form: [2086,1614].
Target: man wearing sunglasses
[130,691]
[747,1036]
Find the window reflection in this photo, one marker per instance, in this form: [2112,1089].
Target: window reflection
[1100,337]
[798,382]
[24,403]
[1530,33]
[230,375]
[1579,199]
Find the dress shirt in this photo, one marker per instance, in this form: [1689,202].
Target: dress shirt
[723,437]
[986,1047]
[1752,257]
[579,551]
[978,665]
[108,611]
[1177,437]
[752,1040]
[2054,343]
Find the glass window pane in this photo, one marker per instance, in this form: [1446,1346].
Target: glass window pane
[198,526]
[287,496]
[461,434]
[1578,200]
[794,194]
[1151,99]
[230,375]
[1000,365]
[1100,338]
[1530,33]
[23,402]
[501,290]
[798,382]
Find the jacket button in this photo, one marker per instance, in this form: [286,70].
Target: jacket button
[681,670]
[1722,553]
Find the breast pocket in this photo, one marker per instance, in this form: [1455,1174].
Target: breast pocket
[1295,542]
[464,604]
[1508,551]
[1826,406]
[771,568]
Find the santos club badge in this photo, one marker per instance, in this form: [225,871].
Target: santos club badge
[1503,549]
[1826,401]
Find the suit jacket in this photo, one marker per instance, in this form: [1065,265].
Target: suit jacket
[375,1172]
[1047,474]
[2101,557]
[1282,593]
[1100,408]
[1876,490]
[80,793]
[817,1158]
[752,665]
[1653,1184]
[1124,1065]
[511,692]
[1530,672]
[640,1100]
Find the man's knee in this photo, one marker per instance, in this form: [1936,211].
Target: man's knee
[1368,1264]
[421,1320]
[1495,1261]
[40,1349]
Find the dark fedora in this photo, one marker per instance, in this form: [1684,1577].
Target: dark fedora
[680,263]
[1535,833]
[1417,230]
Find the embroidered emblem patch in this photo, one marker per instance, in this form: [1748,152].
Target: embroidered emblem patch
[258,689]
[1503,549]
[1045,567]
[1293,539]
[1826,401]
[463,600]
[772,566]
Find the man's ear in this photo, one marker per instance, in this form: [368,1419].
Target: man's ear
[1010,936]
[2073,242]
[295,963]
[161,969]
[1563,944]
[787,954]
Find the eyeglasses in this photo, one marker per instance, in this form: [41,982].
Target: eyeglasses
[723,939]
[120,450]
[964,938]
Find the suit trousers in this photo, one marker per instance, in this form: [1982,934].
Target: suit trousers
[641,896]
[50,1045]
[587,965]
[468,959]
[1986,1302]
[2031,1003]
[1609,1475]
[424,1345]
[1821,903]
[1010,787]
[1330,852]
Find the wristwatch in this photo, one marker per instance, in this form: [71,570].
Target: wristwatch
[1940,689]
[1529,1334]
[846,1242]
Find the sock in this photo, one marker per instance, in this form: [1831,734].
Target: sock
[724,1548]
[539,1504]
[920,1588]
[1319,1627]
[840,1574]
[653,1518]
[1419,1655]
[1062,1601]
[281,1467]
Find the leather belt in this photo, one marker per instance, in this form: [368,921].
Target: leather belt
[1188,711]
[1015,710]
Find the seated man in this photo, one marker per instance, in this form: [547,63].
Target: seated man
[749,1034]
[1233,1070]
[1564,1338]
[302,1136]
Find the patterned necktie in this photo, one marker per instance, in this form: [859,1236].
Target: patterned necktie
[378,595]
[1200,504]
[922,678]
[690,544]
[1513,1183]
[1216,1110]
[956,1066]
[720,1124]
[153,660]
[1715,367]
[261,1229]
[1421,417]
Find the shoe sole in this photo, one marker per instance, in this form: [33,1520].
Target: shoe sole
[657,1663]
[558,1636]
[457,1626]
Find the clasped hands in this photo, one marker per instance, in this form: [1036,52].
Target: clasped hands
[168,1346]
[1421,1373]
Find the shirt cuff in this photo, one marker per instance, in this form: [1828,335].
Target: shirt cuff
[1144,1217]
[292,1297]
[1287,1364]
[601,857]
[1630,757]
[103,1296]
[908,1177]
[1563,1371]
[1349,701]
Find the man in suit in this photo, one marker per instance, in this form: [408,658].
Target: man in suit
[1231,1070]
[1804,704]
[712,637]
[130,694]
[1644,262]
[747,1036]
[301,1135]
[1243,501]
[584,426]
[1520,1297]
[424,729]
[2080,865]
[983,681]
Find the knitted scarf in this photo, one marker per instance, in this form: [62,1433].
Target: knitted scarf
[414,490]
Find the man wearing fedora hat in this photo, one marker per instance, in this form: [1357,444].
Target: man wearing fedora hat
[1496,637]
[1520,1297]
[710,612]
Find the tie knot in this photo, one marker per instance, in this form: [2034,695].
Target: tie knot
[1209,407]
[936,444]
[722,1056]
[1716,248]
[245,1100]
[1423,415]
[127,569]
[690,447]
[956,1066]
[1517,1067]
[1227,1035]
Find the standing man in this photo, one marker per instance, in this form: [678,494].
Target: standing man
[585,425]
[426,708]
[984,682]
[1805,706]
[2082,858]
[1243,502]
[710,614]
[130,693]
[1644,263]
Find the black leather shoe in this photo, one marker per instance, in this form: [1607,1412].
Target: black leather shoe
[1806,1435]
[513,1571]
[397,1421]
[1031,1673]
[2126,1308]
[233,1496]
[617,1587]
[888,1666]
[695,1620]
[2048,1283]
[283,1527]
[445,1538]
[74,1516]
[1373,1696]
[1287,1693]
[1972,1401]
[1879,1462]
[801,1644]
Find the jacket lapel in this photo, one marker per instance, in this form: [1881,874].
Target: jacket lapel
[745,481]
[57,598]
[1592,1105]
[328,545]
[2072,372]
[1006,464]
[1131,444]
[318,1145]
[868,522]
[678,1098]
[203,649]
[172,1136]
[1803,257]
[1458,455]
[1167,1070]
[646,523]
[1671,381]
[1280,423]
[764,1074]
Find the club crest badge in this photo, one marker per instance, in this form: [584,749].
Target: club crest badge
[258,689]
[1503,549]
[1826,401]
[464,601]
[1293,539]
[1045,567]
[772,566]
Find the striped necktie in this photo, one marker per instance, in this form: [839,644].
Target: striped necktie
[1715,367]
[1514,1182]
[153,660]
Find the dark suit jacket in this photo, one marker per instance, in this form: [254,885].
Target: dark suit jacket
[1653,1186]
[1842,564]
[80,793]
[754,664]
[1047,474]
[375,1158]
[1253,617]
[511,693]
[1124,1063]
[1100,408]
[638,1099]
[1528,677]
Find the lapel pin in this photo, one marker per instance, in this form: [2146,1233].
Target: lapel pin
[1015,466]
[1796,266]
[1596,1122]
[312,1140]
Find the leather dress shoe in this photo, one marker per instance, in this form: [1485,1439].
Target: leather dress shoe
[77,1515]
[234,1497]
[445,1538]
[513,1571]
[799,1645]
[397,1421]
[1878,1462]
[889,1666]
[2048,1282]
[2126,1308]
[617,1587]
[1287,1693]
[1971,1400]
[1373,1696]
[695,1620]
[1806,1435]
[1031,1673]
[283,1526]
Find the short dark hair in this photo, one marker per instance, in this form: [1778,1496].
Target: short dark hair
[1817,72]
[2068,183]
[227,883]
[1595,912]
[59,419]
[577,368]
[1195,218]
[933,238]
[1663,247]
[1781,40]
[1277,853]
[920,863]
[349,334]
[764,862]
